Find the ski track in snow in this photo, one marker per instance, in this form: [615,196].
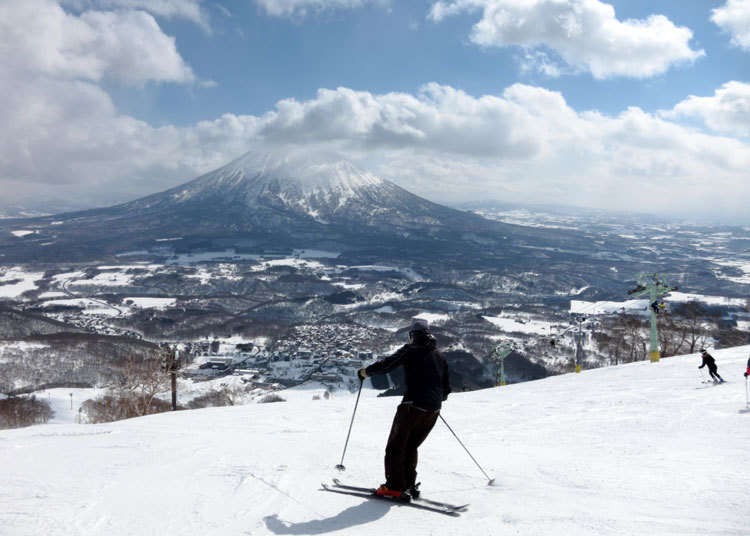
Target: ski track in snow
[634,449]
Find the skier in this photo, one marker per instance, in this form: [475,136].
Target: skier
[711,362]
[427,386]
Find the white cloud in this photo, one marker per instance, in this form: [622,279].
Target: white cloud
[186,9]
[38,38]
[728,111]
[525,145]
[59,126]
[734,17]
[62,134]
[585,33]
[301,8]
[439,118]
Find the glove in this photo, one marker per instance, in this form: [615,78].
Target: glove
[745,374]
[362,374]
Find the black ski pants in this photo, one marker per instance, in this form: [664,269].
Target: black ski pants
[410,428]
[713,371]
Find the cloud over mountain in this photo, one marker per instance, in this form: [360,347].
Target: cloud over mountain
[64,136]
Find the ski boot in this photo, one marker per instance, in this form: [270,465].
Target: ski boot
[414,490]
[385,491]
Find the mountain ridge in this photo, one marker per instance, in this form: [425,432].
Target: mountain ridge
[259,202]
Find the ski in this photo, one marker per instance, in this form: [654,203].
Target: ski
[709,384]
[437,509]
[457,508]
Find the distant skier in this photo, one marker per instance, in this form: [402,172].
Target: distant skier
[709,361]
[427,386]
[658,307]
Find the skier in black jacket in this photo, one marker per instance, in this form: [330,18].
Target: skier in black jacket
[709,361]
[427,386]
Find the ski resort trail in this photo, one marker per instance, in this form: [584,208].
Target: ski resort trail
[633,449]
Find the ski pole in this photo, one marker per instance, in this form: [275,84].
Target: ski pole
[704,377]
[490,481]
[340,466]
[747,401]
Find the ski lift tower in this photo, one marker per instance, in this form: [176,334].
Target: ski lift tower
[655,287]
[499,354]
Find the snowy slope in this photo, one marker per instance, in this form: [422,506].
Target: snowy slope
[637,449]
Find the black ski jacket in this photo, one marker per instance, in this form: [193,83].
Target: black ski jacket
[708,360]
[426,373]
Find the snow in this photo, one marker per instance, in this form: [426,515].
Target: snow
[67,276]
[382,297]
[60,401]
[295,263]
[51,294]
[682,297]
[106,279]
[139,266]
[151,303]
[315,254]
[14,347]
[15,290]
[637,449]
[22,233]
[433,318]
[608,307]
[641,306]
[89,306]
[228,344]
[518,324]
[349,286]
[742,266]
[573,292]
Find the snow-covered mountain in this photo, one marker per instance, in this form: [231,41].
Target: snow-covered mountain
[262,200]
[637,449]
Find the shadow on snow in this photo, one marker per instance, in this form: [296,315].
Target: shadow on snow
[356,515]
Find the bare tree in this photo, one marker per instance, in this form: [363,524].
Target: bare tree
[634,333]
[616,344]
[20,411]
[693,321]
[142,380]
[672,335]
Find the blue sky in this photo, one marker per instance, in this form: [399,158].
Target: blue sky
[258,59]
[629,105]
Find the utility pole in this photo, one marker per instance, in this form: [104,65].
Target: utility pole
[655,287]
[579,337]
[171,365]
[499,354]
